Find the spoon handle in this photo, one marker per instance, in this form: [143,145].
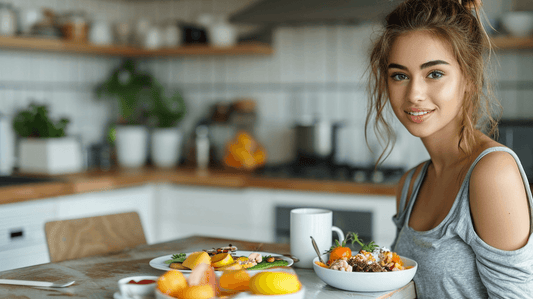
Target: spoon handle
[317,251]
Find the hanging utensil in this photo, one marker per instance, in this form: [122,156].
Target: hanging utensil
[317,251]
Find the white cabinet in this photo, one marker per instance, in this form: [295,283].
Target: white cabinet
[22,238]
[208,211]
[135,199]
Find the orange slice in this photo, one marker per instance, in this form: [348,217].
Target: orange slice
[203,291]
[196,258]
[221,259]
[172,283]
[235,280]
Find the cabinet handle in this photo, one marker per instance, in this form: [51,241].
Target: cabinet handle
[18,234]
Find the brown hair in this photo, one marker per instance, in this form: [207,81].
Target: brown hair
[458,24]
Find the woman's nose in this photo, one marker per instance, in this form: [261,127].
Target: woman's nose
[416,90]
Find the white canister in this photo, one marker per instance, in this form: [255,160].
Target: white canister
[100,33]
[7,145]
[8,20]
[172,36]
[222,34]
[153,39]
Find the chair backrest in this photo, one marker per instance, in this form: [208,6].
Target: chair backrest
[77,238]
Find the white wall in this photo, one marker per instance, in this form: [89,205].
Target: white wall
[316,70]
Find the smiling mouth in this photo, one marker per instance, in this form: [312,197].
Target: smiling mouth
[418,113]
[418,116]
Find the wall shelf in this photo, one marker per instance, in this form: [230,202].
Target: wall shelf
[61,46]
[249,48]
[512,43]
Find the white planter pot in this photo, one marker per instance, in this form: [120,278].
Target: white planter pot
[166,147]
[50,155]
[131,144]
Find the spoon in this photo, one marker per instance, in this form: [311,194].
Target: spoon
[58,284]
[317,251]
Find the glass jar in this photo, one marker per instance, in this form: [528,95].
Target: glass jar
[74,27]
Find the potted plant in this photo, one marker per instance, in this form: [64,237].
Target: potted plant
[132,88]
[43,144]
[165,114]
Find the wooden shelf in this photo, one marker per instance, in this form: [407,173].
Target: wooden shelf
[57,45]
[510,43]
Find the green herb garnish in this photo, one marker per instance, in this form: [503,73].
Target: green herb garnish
[355,238]
[177,258]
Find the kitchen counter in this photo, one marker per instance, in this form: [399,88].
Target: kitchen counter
[97,276]
[119,178]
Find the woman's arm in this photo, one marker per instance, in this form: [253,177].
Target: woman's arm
[498,202]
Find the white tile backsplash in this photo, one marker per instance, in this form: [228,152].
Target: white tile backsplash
[315,71]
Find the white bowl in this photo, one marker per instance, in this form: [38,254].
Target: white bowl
[130,289]
[518,23]
[367,281]
[298,295]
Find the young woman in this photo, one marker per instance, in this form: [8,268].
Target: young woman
[464,215]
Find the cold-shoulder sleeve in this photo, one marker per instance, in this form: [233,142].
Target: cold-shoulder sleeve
[505,274]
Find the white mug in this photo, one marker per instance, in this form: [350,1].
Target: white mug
[307,223]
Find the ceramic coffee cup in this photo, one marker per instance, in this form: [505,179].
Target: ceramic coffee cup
[316,223]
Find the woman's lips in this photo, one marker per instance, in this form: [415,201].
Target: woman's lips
[418,116]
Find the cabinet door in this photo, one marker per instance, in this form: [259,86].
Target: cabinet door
[207,211]
[22,238]
[138,199]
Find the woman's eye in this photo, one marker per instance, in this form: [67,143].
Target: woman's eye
[398,77]
[435,75]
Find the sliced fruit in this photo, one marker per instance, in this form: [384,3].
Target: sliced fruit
[204,274]
[232,266]
[221,259]
[197,292]
[274,283]
[235,280]
[172,283]
[196,258]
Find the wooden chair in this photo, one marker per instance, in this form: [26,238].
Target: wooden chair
[77,238]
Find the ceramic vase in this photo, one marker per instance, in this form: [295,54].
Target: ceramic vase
[50,155]
[131,145]
[166,147]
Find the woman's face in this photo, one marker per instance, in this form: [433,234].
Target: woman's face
[425,84]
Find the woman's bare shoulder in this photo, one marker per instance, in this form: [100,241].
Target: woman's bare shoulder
[498,201]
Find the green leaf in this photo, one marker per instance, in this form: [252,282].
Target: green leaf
[35,122]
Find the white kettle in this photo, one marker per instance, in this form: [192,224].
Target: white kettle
[7,145]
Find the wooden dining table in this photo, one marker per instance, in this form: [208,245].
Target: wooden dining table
[97,276]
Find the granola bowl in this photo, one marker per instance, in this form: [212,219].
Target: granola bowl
[367,281]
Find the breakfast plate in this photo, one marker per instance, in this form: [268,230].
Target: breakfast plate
[159,262]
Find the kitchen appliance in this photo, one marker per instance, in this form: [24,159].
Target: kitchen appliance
[193,34]
[518,135]
[325,170]
[7,146]
[316,140]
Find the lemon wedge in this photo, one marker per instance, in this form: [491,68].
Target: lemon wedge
[221,259]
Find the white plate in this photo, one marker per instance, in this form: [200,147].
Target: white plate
[159,262]
[367,281]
